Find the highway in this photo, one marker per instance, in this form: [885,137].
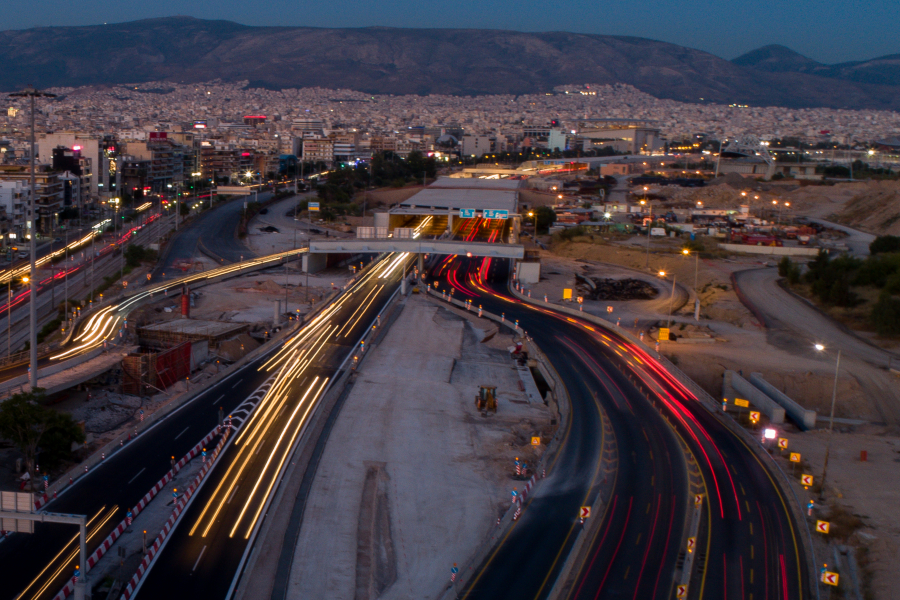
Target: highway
[749,542]
[102,492]
[205,552]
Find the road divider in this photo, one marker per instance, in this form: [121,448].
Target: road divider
[180,504]
[94,558]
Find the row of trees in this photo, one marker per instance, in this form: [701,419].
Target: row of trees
[835,281]
[386,169]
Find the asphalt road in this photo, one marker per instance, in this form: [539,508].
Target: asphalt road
[217,229]
[37,566]
[204,553]
[782,311]
[749,542]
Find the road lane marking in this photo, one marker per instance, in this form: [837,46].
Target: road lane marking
[751,528]
[216,401]
[198,559]
[637,542]
[628,570]
[236,383]
[742,489]
[751,551]
[751,576]
[648,508]
[232,494]
[136,475]
[261,443]
[748,506]
[181,434]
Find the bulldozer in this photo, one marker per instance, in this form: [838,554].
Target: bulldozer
[486,400]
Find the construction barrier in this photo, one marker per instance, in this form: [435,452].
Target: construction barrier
[95,557]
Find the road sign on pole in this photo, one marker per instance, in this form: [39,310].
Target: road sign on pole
[536,440]
[698,499]
[681,591]
[823,526]
[742,403]
[829,578]
[795,457]
[467,213]
[585,512]
[567,293]
[663,334]
[806,480]
[692,542]
[754,417]
[313,206]
[782,443]
[490,213]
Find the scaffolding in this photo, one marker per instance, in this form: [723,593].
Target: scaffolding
[150,372]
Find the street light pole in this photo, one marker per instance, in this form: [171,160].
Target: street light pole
[32,93]
[671,301]
[837,368]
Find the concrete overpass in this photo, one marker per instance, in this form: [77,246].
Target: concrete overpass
[315,260]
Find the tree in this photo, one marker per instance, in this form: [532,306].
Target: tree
[184,209]
[886,314]
[885,243]
[544,217]
[784,266]
[29,426]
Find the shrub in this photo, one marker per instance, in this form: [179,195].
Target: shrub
[886,314]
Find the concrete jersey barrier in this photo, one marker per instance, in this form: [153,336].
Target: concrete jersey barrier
[746,390]
[806,419]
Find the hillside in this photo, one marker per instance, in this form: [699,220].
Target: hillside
[403,61]
[884,70]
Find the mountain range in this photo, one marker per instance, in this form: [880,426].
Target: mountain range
[382,60]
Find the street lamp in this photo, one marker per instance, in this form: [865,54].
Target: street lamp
[837,367]
[32,93]
[687,252]
[649,226]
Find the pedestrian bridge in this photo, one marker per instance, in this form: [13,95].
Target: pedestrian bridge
[362,246]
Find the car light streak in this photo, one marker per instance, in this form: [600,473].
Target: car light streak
[284,455]
[71,555]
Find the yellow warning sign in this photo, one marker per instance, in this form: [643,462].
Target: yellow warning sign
[585,512]
[681,591]
[754,416]
[663,334]
[806,480]
[823,526]
[567,293]
[740,402]
[795,457]
[829,578]
[782,443]
[536,441]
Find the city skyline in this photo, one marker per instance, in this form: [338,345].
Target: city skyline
[832,33]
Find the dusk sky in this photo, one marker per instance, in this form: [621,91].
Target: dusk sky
[825,30]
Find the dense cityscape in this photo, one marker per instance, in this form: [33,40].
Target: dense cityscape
[318,343]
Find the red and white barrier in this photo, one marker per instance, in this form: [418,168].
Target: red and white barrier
[179,506]
[94,558]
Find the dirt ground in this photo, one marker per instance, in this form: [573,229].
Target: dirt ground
[427,475]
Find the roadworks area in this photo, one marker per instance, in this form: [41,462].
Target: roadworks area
[413,478]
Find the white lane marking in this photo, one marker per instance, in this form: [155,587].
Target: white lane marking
[181,434]
[198,559]
[136,475]
[236,383]
[216,401]
[232,494]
